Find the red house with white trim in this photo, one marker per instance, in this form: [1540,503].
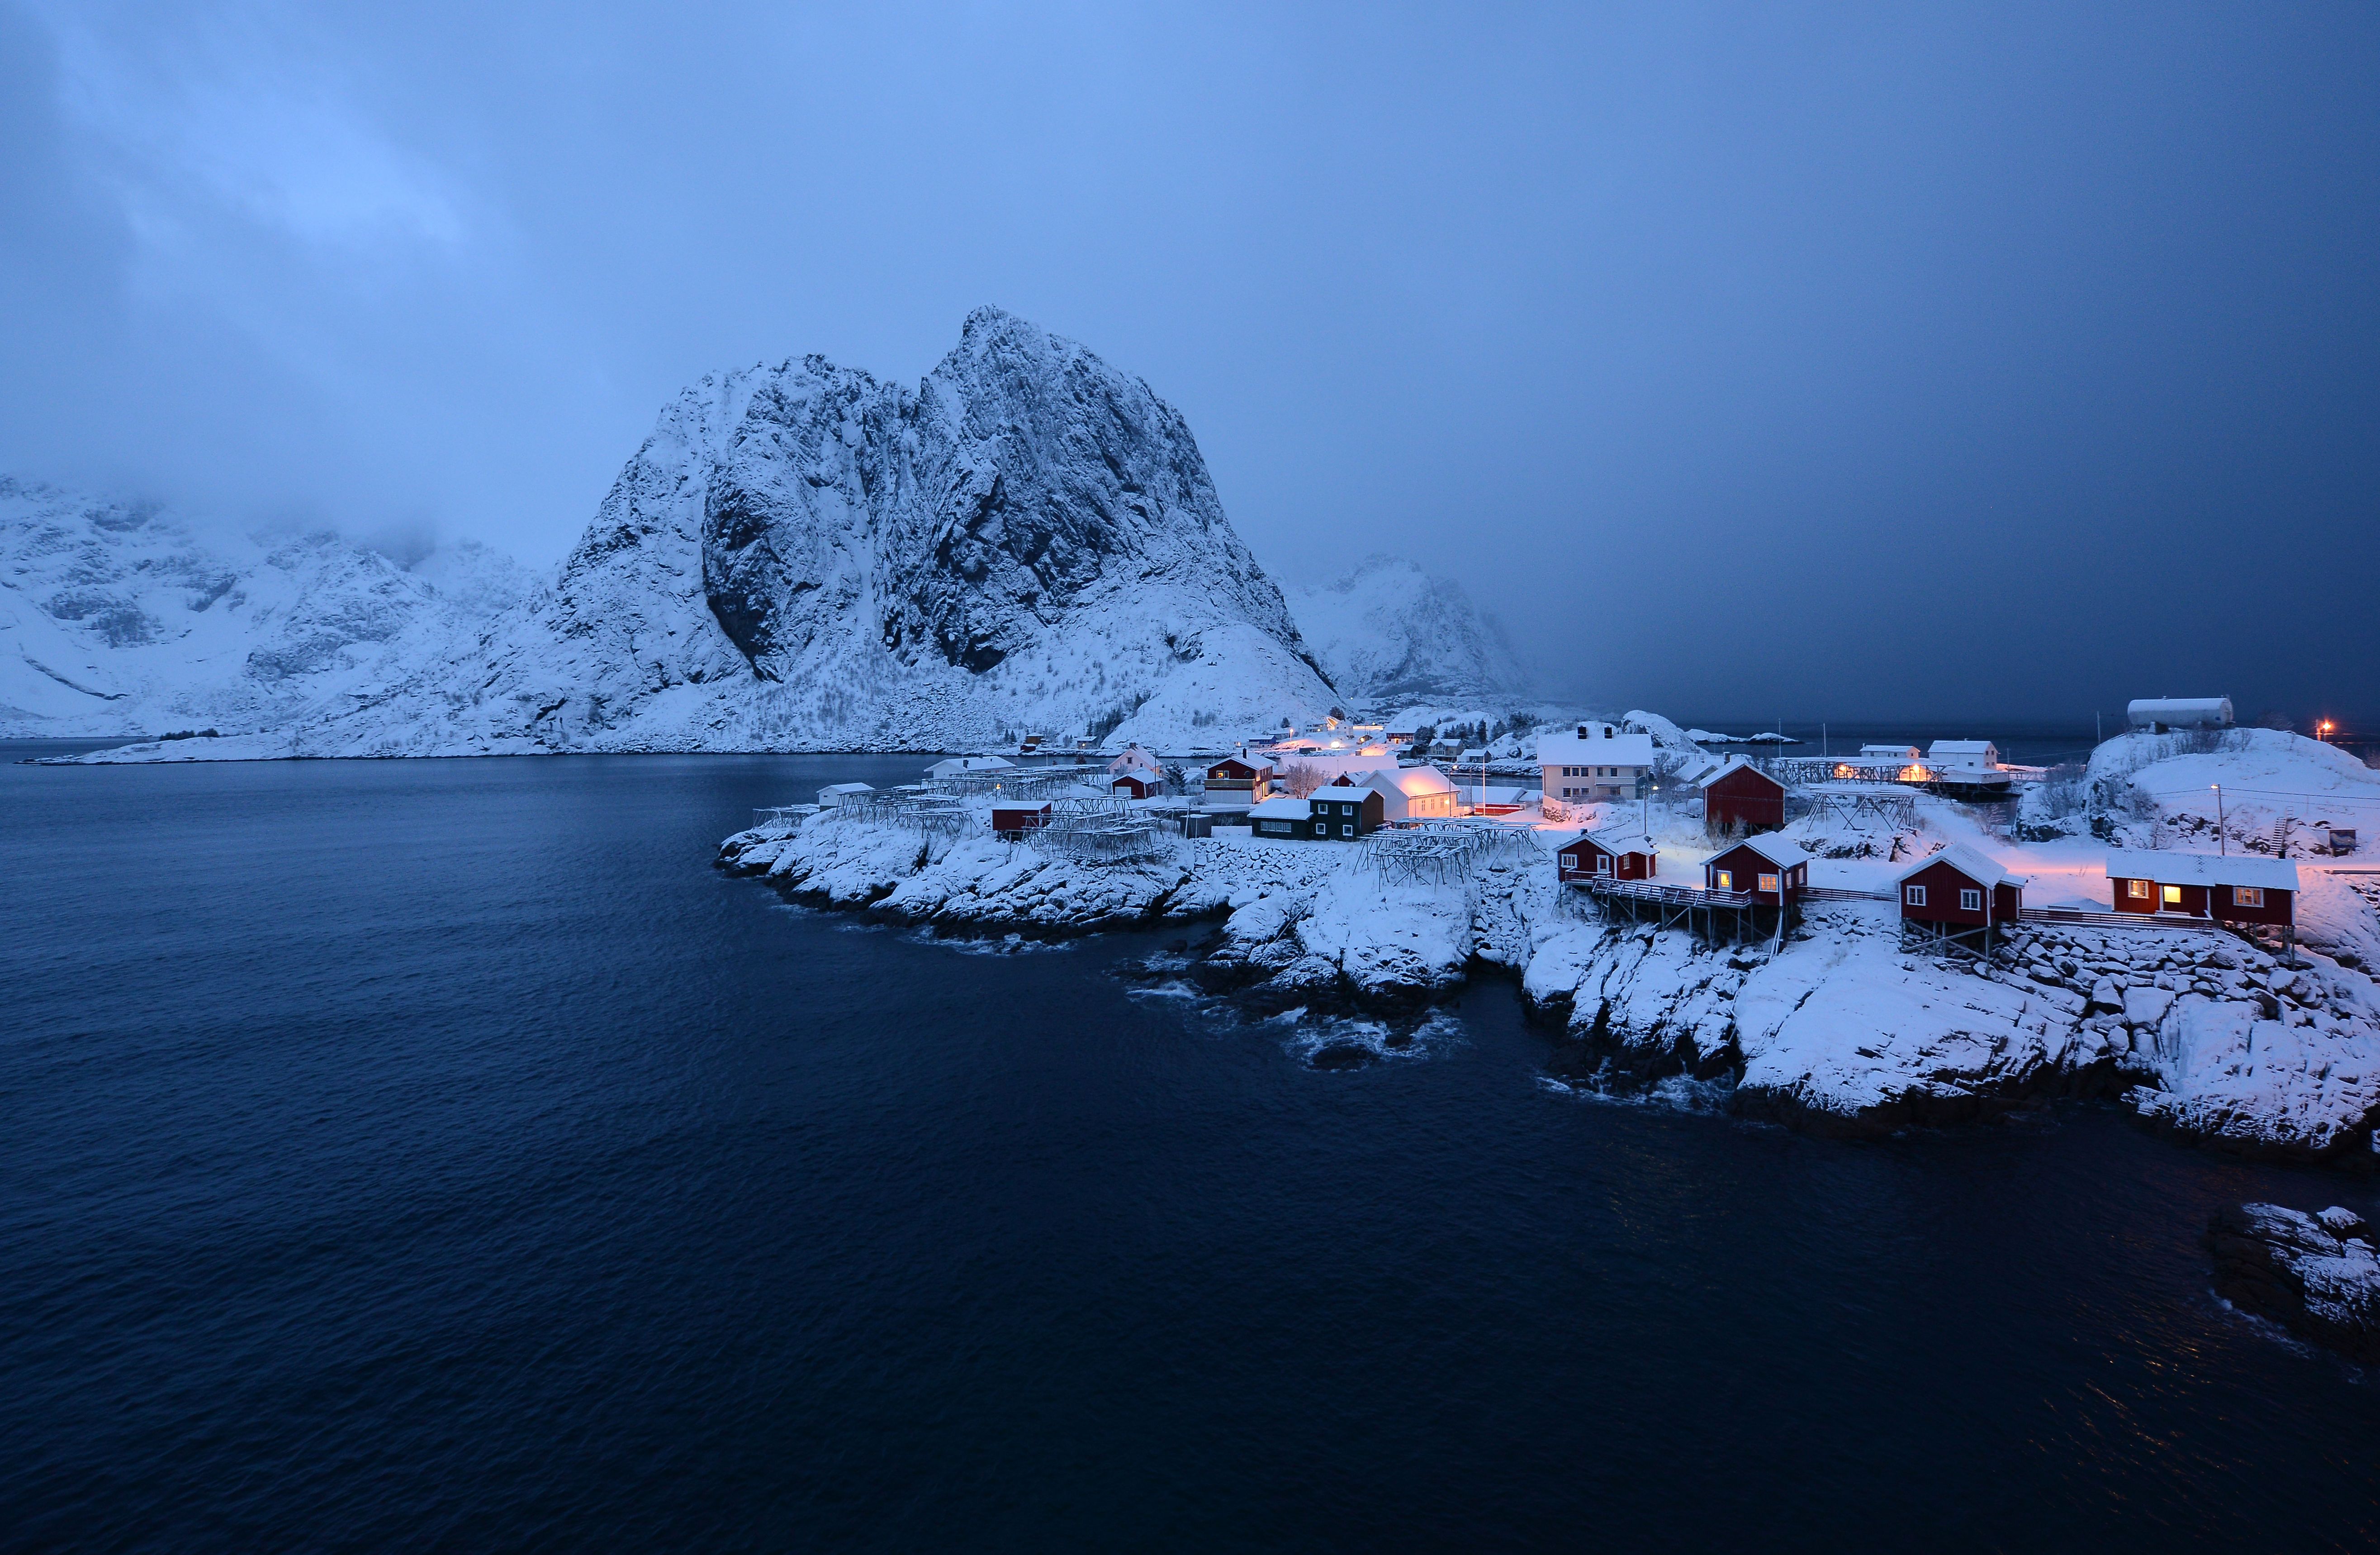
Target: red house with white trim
[1741,792]
[1773,871]
[1611,854]
[2233,889]
[1959,889]
[1013,821]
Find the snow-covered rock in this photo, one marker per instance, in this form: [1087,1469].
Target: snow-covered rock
[2317,1275]
[1389,631]
[2276,787]
[121,618]
[801,557]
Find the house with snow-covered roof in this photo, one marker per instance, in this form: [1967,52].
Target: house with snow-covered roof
[970,766]
[836,794]
[1408,793]
[1616,853]
[1962,756]
[1135,760]
[1959,890]
[1741,794]
[1772,870]
[1593,762]
[2226,888]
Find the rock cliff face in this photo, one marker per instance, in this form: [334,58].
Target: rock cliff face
[117,618]
[1389,631]
[2317,1275]
[801,557]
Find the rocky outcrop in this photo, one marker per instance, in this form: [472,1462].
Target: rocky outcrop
[2317,1275]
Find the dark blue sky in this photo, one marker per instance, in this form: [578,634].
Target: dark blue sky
[1751,361]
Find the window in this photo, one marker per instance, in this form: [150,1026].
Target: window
[2137,889]
[1768,882]
[2247,895]
[2173,896]
[1915,895]
[1970,899]
[1603,864]
[1346,831]
[1723,880]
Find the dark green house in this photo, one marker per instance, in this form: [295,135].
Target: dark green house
[1344,812]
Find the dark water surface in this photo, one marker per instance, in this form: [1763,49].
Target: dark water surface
[441,1155]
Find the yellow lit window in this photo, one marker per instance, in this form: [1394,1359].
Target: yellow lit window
[1768,882]
[2248,895]
[1726,879]
[2137,888]
[2173,896]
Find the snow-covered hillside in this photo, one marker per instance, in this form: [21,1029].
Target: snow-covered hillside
[2276,786]
[801,557]
[117,619]
[1389,631]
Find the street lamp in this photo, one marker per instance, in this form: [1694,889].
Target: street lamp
[2222,843]
[2324,728]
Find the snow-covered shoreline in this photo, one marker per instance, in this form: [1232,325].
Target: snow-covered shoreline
[1841,1029]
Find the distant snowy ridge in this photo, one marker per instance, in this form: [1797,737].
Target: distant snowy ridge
[803,558]
[119,618]
[1389,631]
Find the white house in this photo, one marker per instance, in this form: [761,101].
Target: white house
[836,794]
[1963,755]
[1408,793]
[1135,760]
[1890,752]
[962,766]
[1595,761]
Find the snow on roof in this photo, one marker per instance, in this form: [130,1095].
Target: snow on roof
[1281,806]
[1905,752]
[1968,862]
[2201,869]
[952,766]
[1732,764]
[1615,839]
[1962,747]
[847,788]
[1135,756]
[1414,781]
[1772,847]
[1569,750]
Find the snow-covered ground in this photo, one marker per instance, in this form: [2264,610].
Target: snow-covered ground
[1841,1027]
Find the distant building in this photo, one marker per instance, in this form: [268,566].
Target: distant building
[1773,871]
[965,766]
[1741,794]
[1135,783]
[1013,821]
[2158,714]
[1890,752]
[1950,757]
[836,794]
[1135,760]
[2226,889]
[1612,854]
[1238,780]
[1595,761]
[1408,793]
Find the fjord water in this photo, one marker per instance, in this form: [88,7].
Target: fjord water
[442,1154]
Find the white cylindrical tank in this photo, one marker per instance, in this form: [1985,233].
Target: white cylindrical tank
[2180,712]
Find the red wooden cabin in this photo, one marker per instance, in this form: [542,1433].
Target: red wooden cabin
[1136,785]
[2237,889]
[1611,855]
[1013,821]
[1773,871]
[1739,792]
[1959,889]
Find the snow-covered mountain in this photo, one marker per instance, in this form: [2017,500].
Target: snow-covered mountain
[801,557]
[119,618]
[1388,631]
